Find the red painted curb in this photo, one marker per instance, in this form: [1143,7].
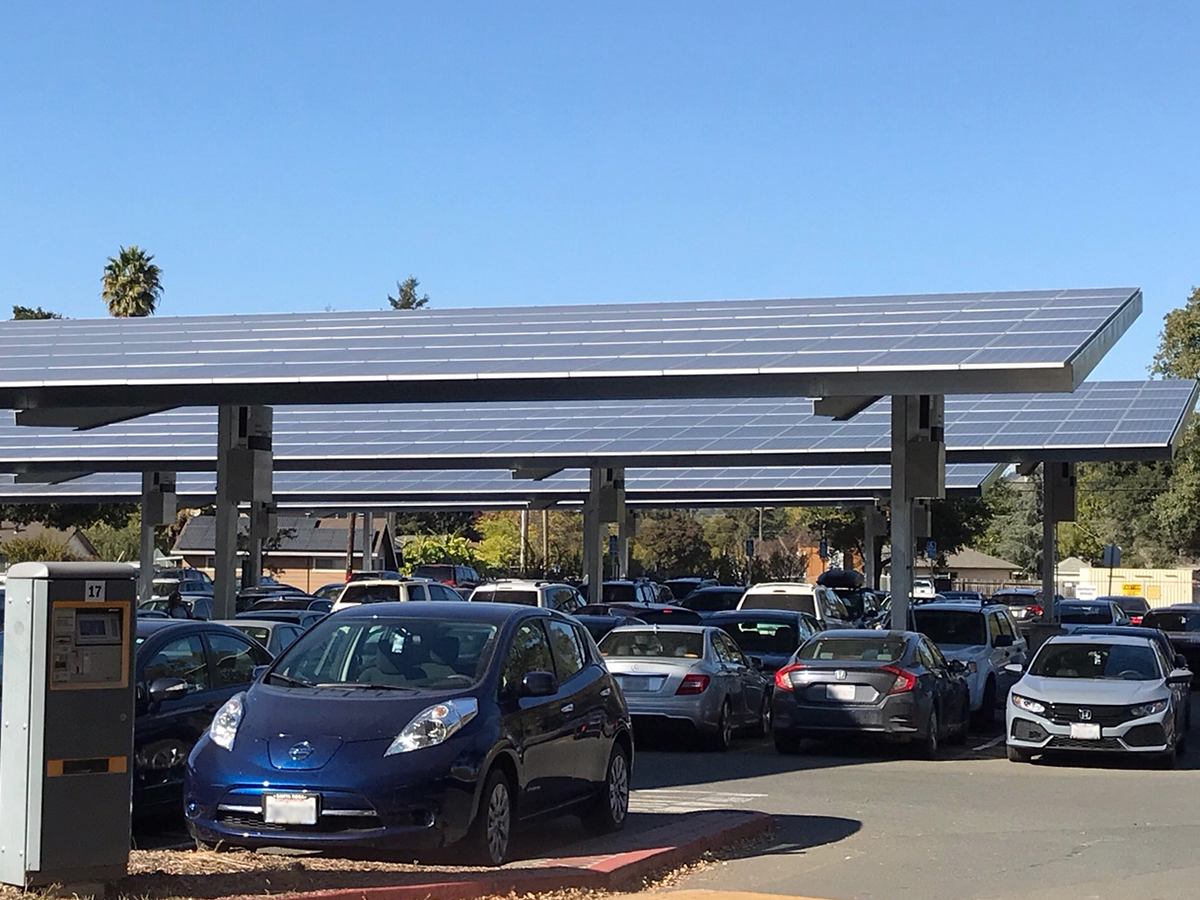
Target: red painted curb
[618,871]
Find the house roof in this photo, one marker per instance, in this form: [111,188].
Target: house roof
[966,558]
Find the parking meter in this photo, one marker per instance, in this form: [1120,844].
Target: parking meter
[66,723]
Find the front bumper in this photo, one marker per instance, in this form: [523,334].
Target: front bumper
[1029,731]
[420,800]
[895,717]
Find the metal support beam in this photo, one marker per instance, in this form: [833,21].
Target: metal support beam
[524,561]
[842,408]
[918,471]
[593,559]
[545,543]
[874,530]
[625,529]
[368,561]
[605,503]
[225,563]
[1049,553]
[83,418]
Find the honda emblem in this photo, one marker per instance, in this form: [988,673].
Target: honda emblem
[840,674]
[1085,713]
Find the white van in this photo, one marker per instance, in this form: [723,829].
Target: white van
[820,602]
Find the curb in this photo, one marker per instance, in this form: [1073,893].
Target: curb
[626,870]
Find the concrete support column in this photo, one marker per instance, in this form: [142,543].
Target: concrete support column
[158,508]
[593,560]
[524,560]
[545,543]
[1058,505]
[918,470]
[225,563]
[605,503]
[874,530]
[626,529]
[368,554]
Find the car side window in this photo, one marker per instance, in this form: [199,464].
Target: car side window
[181,658]
[417,592]
[569,656]
[288,635]
[994,628]
[1007,625]
[734,651]
[925,656]
[808,625]
[441,592]
[528,652]
[721,648]
[234,660]
[935,652]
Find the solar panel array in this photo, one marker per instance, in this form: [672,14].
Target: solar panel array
[704,486]
[933,343]
[1114,420]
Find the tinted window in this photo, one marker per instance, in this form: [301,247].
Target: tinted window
[732,651]
[181,658]
[674,644]
[529,652]
[441,592]
[796,602]
[621,593]
[711,601]
[437,573]
[865,650]
[235,660]
[1094,660]
[1133,605]
[1172,620]
[1007,625]
[565,600]
[763,636]
[370,593]
[569,657]
[948,626]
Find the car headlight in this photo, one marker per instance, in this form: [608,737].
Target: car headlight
[434,725]
[972,667]
[225,723]
[1025,703]
[1150,709]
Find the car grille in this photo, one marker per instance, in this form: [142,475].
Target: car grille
[1066,743]
[347,820]
[1107,716]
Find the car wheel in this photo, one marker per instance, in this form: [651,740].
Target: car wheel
[763,727]
[787,743]
[724,734]
[929,746]
[986,716]
[612,806]
[1018,754]
[487,841]
[964,722]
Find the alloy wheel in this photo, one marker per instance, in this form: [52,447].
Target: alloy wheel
[618,788]
[499,822]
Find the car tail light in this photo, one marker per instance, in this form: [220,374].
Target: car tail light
[1135,620]
[905,680]
[1036,610]
[692,684]
[783,677]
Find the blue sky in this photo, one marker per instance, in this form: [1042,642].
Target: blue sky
[297,156]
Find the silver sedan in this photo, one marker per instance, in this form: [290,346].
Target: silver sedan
[688,675]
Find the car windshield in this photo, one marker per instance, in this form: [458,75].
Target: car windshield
[418,653]
[710,601]
[491,595]
[796,602]
[674,644]
[758,636]
[619,593]
[1172,620]
[853,649]
[1084,614]
[370,593]
[950,626]
[1094,660]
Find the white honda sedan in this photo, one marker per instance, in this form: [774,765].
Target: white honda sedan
[1098,692]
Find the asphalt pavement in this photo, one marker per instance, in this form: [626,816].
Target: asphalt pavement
[875,822]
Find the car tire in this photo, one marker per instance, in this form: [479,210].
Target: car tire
[964,723]
[762,728]
[488,840]
[1018,754]
[723,737]
[929,745]
[787,743]
[985,717]
[611,808]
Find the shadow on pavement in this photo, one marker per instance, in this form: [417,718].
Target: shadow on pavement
[796,834]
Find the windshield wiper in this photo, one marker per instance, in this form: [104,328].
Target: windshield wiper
[299,682]
[364,685]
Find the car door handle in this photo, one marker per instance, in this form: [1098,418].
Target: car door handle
[606,692]
[568,707]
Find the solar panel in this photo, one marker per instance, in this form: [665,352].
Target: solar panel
[732,348]
[1101,420]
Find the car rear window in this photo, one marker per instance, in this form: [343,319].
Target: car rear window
[1134,605]
[853,649]
[490,595]
[949,626]
[670,644]
[1094,660]
[1081,614]
[763,636]
[1015,599]
[1172,620]
[710,601]
[620,593]
[437,573]
[804,603]
[370,593]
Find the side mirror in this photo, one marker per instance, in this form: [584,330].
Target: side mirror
[538,684]
[957,666]
[1014,669]
[1179,676]
[167,689]
[1004,640]
[259,672]
[1181,661]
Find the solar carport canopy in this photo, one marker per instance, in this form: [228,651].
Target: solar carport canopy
[849,346]
[1102,420]
[459,489]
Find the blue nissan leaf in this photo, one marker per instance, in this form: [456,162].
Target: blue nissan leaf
[408,726]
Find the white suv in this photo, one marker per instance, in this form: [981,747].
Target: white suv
[819,601]
[985,638]
[546,594]
[380,591]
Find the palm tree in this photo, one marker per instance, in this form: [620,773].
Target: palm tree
[130,285]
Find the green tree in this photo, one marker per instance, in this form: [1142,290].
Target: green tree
[439,548]
[131,284]
[448,522]
[406,295]
[65,516]
[1015,530]
[1178,353]
[41,548]
[117,543]
[33,312]
[671,543]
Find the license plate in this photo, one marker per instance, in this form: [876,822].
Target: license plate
[1085,731]
[290,809]
[1020,613]
[634,683]
[839,691]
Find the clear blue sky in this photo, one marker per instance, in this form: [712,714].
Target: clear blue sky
[293,156]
